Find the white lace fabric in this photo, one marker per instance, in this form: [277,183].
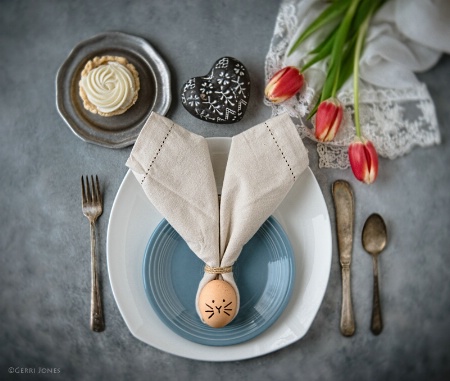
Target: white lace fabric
[396,110]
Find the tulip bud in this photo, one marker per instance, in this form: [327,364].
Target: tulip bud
[363,160]
[328,119]
[284,84]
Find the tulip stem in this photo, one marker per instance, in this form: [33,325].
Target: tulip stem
[358,49]
[339,43]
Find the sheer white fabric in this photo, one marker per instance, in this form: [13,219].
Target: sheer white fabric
[396,110]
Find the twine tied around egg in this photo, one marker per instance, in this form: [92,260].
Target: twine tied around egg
[218,270]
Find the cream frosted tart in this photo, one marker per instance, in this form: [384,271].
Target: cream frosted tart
[109,85]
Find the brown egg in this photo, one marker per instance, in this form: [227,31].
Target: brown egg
[217,303]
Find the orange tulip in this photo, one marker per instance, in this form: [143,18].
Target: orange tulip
[328,119]
[363,160]
[284,84]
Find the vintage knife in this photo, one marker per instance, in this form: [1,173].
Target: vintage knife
[343,203]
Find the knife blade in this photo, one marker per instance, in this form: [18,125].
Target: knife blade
[344,208]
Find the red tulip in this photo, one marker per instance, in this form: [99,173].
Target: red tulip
[328,119]
[363,160]
[284,84]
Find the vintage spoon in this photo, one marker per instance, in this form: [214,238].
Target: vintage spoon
[374,238]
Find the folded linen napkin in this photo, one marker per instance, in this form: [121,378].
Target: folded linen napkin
[174,168]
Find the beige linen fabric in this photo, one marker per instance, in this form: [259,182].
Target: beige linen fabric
[174,168]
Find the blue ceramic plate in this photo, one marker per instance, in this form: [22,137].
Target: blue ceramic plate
[264,274]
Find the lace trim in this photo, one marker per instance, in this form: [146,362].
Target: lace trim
[395,120]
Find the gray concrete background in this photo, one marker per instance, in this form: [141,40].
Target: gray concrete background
[44,262]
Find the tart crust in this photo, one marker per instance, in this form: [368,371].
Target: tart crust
[98,61]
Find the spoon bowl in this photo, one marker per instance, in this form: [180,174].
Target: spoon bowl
[374,240]
[374,236]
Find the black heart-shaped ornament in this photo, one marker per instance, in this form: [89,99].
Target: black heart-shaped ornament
[222,95]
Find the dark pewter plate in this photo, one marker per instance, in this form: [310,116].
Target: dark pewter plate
[121,130]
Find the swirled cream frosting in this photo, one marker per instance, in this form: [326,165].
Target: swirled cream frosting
[109,85]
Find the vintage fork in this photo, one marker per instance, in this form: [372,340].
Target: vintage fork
[92,209]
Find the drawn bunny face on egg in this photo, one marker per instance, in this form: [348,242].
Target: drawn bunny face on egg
[217,303]
[214,308]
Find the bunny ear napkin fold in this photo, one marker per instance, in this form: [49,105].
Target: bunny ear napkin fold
[174,168]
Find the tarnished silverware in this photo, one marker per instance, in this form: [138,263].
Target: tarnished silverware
[343,202]
[92,209]
[374,238]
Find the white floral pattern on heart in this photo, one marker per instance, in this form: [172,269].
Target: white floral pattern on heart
[221,96]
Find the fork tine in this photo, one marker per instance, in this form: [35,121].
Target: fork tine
[97,190]
[83,193]
[88,190]
[93,199]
